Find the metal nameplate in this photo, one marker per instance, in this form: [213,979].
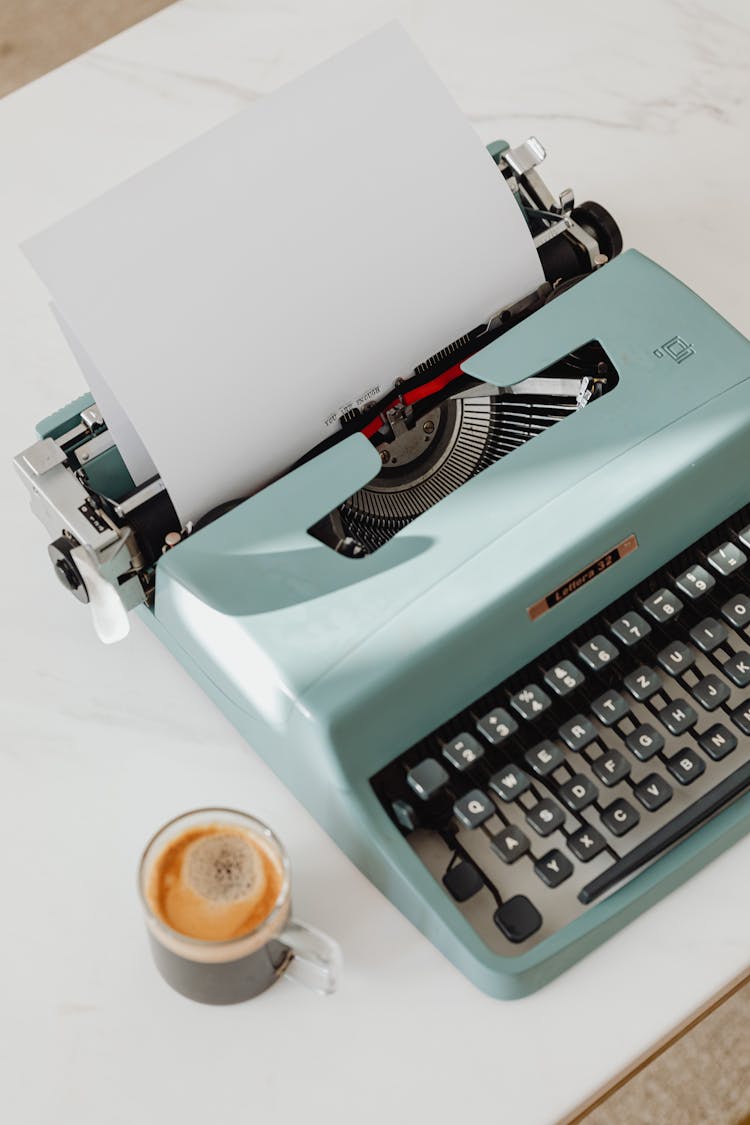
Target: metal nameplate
[598,566]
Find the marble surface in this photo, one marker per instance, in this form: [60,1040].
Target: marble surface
[643,106]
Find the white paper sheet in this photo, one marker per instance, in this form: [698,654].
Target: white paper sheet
[133,451]
[236,295]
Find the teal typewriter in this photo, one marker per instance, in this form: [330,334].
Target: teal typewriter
[494,634]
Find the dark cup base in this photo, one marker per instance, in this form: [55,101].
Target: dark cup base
[225,982]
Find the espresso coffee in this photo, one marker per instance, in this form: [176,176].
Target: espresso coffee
[214,882]
[215,889]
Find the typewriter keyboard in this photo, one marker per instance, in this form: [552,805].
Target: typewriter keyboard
[549,792]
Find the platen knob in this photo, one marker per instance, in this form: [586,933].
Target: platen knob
[64,566]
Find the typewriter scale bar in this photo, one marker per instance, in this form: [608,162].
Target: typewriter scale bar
[548,793]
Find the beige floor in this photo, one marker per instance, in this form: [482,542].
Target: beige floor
[38,35]
[700,1077]
[703,1077]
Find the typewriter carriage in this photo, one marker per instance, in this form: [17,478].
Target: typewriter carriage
[83,493]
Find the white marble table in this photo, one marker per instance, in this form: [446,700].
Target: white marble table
[643,106]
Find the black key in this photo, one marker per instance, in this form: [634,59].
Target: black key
[630,629]
[611,767]
[518,919]
[579,792]
[586,843]
[553,868]
[744,536]
[709,634]
[620,817]
[726,558]
[676,658]
[578,732]
[474,808]
[563,677]
[737,669]
[427,779]
[695,581]
[643,683]
[530,702]
[717,742]
[610,708]
[497,725]
[678,716]
[598,652]
[463,880]
[510,782]
[653,792]
[510,844]
[697,813]
[741,717]
[405,815]
[644,742]
[545,817]
[463,751]
[737,611]
[662,606]
[710,692]
[544,758]
[686,766]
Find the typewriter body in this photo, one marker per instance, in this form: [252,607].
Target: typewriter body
[495,636]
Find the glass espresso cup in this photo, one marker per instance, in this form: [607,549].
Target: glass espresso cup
[216,892]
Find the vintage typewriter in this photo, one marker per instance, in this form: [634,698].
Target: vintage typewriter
[511,677]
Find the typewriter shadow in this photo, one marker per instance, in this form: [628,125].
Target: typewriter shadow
[245,584]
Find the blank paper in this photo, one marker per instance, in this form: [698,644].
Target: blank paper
[129,443]
[236,296]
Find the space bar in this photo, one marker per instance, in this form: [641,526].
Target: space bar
[665,837]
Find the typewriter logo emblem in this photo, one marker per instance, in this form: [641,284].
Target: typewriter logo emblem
[677,349]
[597,567]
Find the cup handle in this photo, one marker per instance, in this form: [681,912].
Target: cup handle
[316,958]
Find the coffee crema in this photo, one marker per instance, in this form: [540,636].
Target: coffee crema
[214,882]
